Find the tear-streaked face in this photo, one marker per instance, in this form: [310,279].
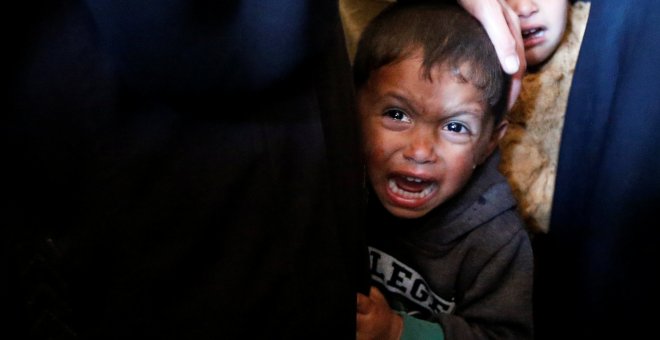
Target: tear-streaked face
[422,137]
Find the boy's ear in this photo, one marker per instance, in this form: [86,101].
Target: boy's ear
[498,133]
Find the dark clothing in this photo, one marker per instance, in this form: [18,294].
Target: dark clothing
[182,170]
[598,267]
[467,264]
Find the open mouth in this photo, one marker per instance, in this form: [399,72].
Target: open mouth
[533,33]
[411,187]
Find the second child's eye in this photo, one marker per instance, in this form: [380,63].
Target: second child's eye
[397,114]
[456,127]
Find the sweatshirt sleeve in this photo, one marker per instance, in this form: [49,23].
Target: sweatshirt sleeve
[497,302]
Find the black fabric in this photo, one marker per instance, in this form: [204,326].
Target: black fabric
[598,269]
[186,169]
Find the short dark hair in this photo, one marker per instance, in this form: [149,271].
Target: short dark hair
[447,34]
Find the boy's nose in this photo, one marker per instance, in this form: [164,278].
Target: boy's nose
[421,149]
[524,8]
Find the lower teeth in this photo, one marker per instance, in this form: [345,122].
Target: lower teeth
[407,194]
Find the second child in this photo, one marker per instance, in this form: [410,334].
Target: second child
[552,34]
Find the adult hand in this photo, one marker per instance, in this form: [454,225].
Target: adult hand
[503,27]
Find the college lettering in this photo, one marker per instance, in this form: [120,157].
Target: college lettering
[403,280]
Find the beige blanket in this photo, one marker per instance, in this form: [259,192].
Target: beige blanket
[531,145]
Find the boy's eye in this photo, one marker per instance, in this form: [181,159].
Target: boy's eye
[456,127]
[397,115]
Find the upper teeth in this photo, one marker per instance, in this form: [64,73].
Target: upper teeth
[531,31]
[413,179]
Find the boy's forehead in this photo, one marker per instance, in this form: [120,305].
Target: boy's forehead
[440,86]
[412,67]
[432,69]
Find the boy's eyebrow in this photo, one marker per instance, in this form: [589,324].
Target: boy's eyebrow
[402,98]
[460,109]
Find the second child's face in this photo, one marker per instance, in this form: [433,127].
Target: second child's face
[422,138]
[543,23]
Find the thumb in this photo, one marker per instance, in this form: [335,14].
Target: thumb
[514,90]
[375,295]
[363,303]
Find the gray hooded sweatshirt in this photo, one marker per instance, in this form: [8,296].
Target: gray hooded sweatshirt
[466,266]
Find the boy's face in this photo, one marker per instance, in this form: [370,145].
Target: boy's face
[422,138]
[542,23]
